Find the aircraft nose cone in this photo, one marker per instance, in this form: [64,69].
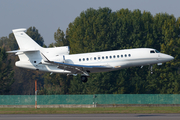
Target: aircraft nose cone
[168,57]
[171,57]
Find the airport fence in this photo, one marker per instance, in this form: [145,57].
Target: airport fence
[91,99]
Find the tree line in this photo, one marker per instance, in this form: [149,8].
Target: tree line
[101,30]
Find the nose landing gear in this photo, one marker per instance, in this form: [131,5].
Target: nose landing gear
[151,68]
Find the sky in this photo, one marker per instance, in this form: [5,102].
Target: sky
[49,15]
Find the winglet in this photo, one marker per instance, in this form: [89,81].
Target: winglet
[44,58]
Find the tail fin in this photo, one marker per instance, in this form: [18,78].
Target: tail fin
[24,41]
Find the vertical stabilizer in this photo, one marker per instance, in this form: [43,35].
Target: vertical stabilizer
[24,41]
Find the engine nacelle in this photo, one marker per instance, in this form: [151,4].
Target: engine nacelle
[59,58]
[56,52]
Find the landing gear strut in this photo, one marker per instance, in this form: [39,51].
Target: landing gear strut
[84,79]
[151,68]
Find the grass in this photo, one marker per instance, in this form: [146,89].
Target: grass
[142,110]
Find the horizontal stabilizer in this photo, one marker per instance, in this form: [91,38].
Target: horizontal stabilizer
[16,51]
[19,30]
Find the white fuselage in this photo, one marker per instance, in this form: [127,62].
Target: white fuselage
[58,60]
[117,59]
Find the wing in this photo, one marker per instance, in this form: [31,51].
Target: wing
[76,68]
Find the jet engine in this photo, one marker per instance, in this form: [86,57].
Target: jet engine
[58,58]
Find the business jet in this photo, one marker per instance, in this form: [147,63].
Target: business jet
[58,59]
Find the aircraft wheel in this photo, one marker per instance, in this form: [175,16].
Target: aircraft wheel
[84,79]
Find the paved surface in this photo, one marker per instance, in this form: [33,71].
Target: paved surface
[90,117]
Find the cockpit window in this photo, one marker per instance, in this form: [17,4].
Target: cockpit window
[152,51]
[157,51]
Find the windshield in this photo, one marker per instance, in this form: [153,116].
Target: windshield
[157,51]
[154,51]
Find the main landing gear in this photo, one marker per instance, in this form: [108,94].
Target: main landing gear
[84,79]
[151,68]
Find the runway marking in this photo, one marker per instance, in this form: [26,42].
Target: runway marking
[90,116]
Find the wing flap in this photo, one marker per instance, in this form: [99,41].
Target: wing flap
[79,66]
[75,68]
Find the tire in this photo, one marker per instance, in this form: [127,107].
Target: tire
[84,79]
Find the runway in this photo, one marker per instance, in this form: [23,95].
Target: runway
[90,117]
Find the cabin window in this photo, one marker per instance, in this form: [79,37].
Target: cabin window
[125,55]
[34,61]
[117,56]
[94,58]
[79,59]
[83,59]
[114,56]
[121,55]
[110,57]
[99,58]
[106,57]
[152,51]
[90,58]
[102,57]
[87,59]
[129,55]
